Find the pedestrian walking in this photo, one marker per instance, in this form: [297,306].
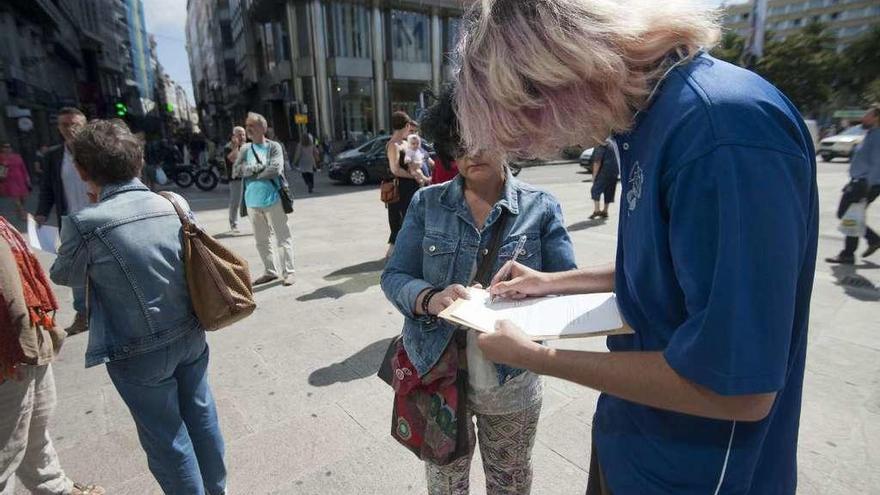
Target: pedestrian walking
[605,172]
[127,250]
[15,182]
[307,160]
[713,274]
[230,154]
[441,249]
[29,342]
[261,164]
[63,190]
[864,186]
[402,126]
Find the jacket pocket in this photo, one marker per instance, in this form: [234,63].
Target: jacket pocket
[438,258]
[529,252]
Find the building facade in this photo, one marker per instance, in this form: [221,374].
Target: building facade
[846,19]
[343,65]
[139,47]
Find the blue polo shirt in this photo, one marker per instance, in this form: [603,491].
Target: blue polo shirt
[717,248]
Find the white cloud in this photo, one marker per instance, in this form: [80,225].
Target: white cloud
[165,16]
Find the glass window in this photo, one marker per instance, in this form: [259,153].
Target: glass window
[348,30]
[302,30]
[352,108]
[410,33]
[405,96]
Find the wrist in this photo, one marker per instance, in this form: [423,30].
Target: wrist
[535,357]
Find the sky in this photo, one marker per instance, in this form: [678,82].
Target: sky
[166,19]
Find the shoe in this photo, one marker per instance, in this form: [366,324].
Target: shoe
[842,260]
[234,231]
[596,214]
[603,214]
[81,489]
[288,280]
[80,324]
[872,248]
[265,279]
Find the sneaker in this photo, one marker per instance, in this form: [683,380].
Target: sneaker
[80,324]
[265,279]
[288,280]
[234,231]
[872,248]
[841,259]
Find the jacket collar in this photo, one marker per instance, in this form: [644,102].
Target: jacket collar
[453,197]
[121,187]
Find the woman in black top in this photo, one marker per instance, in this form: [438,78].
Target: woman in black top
[402,126]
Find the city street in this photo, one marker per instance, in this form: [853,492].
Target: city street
[303,413]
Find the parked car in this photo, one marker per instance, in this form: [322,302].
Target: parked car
[586,160]
[366,163]
[843,144]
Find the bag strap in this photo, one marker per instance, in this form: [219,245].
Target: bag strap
[184,217]
[484,270]
[256,156]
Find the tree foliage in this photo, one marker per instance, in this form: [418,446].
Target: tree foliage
[804,66]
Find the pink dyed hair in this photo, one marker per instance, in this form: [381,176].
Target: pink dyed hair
[535,76]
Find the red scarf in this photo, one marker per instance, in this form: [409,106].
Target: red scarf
[38,296]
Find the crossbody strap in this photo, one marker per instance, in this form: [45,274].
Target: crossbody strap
[183,215]
[484,269]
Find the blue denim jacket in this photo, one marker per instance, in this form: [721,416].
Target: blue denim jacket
[128,248]
[439,246]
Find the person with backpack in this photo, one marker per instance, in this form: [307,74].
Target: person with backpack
[126,251]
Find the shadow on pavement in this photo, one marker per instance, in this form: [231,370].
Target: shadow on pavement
[362,364]
[855,285]
[355,279]
[586,224]
[262,287]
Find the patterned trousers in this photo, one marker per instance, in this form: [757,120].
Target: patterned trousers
[505,443]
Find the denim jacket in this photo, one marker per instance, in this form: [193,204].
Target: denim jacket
[127,250]
[439,246]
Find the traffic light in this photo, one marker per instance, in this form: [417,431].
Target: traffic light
[121,109]
[169,107]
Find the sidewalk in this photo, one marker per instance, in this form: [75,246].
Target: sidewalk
[303,413]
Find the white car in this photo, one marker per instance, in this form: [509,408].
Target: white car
[586,160]
[843,144]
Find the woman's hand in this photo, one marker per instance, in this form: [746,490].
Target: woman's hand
[517,281]
[446,297]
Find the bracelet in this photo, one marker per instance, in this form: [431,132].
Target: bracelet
[426,301]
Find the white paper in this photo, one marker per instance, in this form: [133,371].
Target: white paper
[547,317]
[42,237]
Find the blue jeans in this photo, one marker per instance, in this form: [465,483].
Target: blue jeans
[79,300]
[168,396]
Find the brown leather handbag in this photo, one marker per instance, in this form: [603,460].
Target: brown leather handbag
[219,280]
[389,192]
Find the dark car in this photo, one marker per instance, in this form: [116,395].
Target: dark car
[366,163]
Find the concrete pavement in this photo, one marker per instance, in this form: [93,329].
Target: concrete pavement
[303,413]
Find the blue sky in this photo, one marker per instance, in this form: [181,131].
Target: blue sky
[166,19]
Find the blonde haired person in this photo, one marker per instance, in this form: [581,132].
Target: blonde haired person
[705,396]
[261,164]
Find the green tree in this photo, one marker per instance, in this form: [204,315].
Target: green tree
[803,66]
[860,69]
[730,48]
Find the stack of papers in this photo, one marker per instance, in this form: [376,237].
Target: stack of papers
[541,318]
[42,237]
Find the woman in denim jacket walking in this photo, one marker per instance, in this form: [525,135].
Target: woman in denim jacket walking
[126,250]
[446,232]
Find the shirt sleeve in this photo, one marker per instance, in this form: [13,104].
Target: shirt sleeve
[738,233]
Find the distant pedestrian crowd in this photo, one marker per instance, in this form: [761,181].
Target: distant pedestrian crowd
[712,274]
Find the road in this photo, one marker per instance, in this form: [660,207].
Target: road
[303,413]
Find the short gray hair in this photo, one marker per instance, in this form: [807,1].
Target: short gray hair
[237,128]
[257,117]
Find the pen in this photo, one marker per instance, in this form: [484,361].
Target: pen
[516,252]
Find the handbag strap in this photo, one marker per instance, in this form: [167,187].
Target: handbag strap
[183,215]
[484,269]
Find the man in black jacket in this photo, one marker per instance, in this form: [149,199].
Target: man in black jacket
[63,189]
